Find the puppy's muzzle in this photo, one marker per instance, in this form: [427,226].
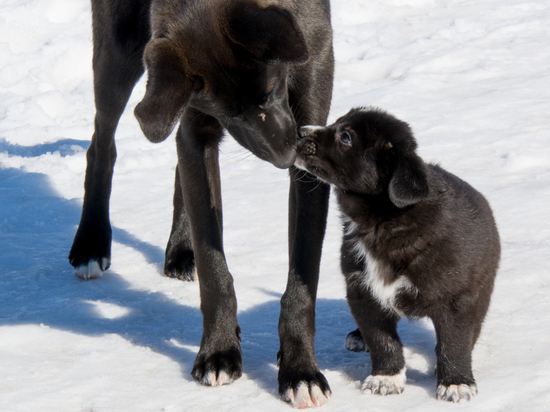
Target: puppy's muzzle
[306,131]
[308,149]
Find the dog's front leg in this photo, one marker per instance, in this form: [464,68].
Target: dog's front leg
[219,360]
[179,257]
[300,381]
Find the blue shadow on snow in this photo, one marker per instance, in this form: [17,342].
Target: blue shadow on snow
[37,286]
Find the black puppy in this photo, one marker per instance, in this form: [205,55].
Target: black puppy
[418,241]
[254,68]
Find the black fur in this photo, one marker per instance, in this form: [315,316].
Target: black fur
[411,222]
[258,69]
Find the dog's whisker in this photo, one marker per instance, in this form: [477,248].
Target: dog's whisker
[319,183]
[302,175]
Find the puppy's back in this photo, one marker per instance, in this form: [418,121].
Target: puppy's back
[470,221]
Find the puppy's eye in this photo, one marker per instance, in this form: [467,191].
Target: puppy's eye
[345,138]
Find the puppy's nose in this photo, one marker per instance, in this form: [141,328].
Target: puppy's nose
[306,131]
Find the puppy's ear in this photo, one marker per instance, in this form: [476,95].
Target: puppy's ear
[271,34]
[168,90]
[409,182]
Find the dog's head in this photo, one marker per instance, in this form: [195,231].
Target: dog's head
[230,60]
[368,152]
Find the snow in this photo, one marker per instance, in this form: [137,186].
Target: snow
[471,78]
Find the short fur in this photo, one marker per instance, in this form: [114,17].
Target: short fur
[257,68]
[418,242]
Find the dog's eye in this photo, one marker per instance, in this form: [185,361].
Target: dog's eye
[198,83]
[265,100]
[345,138]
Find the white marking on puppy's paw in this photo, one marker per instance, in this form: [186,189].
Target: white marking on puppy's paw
[222,379]
[455,393]
[386,384]
[305,397]
[92,269]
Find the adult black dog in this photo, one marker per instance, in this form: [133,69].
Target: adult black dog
[418,241]
[257,68]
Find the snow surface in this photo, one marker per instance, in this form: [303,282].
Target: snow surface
[472,78]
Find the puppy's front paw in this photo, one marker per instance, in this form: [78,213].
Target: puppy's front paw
[455,393]
[220,368]
[386,384]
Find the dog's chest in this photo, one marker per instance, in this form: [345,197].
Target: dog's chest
[376,275]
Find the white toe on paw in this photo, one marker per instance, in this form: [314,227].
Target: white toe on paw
[105,263]
[386,384]
[455,393]
[302,399]
[222,379]
[306,397]
[92,269]
[317,396]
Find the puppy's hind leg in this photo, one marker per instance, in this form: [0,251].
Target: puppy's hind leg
[355,343]
[455,341]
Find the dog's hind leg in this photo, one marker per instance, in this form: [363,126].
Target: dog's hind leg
[219,360]
[179,257]
[120,35]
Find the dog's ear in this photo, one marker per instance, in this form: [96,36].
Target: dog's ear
[271,34]
[168,90]
[409,182]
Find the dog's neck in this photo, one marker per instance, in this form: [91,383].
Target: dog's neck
[368,210]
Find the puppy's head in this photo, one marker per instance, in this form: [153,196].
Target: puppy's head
[229,60]
[367,152]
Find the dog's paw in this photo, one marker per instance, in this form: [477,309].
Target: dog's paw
[221,368]
[306,395]
[302,388]
[186,273]
[355,343]
[180,265]
[455,393]
[386,384]
[93,269]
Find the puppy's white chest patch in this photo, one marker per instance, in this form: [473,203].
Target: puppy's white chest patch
[375,273]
